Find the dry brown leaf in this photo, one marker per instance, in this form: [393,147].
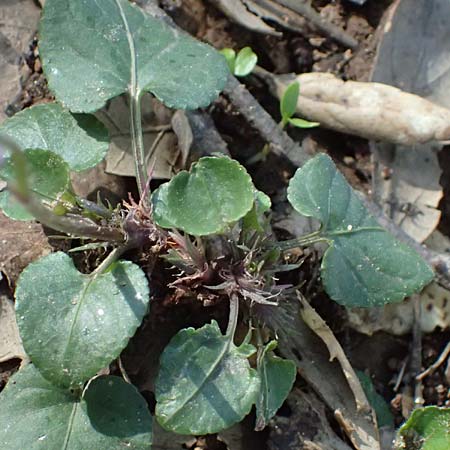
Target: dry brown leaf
[182,128]
[10,342]
[90,182]
[20,244]
[164,159]
[370,110]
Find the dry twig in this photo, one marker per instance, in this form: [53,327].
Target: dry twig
[261,120]
[441,359]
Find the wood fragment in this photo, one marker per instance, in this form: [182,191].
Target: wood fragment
[206,137]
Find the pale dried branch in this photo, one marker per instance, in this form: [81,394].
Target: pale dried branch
[371,110]
[319,326]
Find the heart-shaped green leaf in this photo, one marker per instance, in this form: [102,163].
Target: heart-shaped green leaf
[71,324]
[80,139]
[277,378]
[94,50]
[205,383]
[47,176]
[427,429]
[37,415]
[364,265]
[215,193]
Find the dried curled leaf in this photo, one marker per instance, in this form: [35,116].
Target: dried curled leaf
[370,110]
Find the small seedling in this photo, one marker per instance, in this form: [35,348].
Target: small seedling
[210,222]
[241,64]
[288,106]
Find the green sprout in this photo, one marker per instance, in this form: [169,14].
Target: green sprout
[241,64]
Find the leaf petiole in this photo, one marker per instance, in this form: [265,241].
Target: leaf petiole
[137,141]
[351,230]
[233,317]
[302,241]
[110,259]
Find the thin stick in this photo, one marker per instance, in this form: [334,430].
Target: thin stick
[401,375]
[260,119]
[441,359]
